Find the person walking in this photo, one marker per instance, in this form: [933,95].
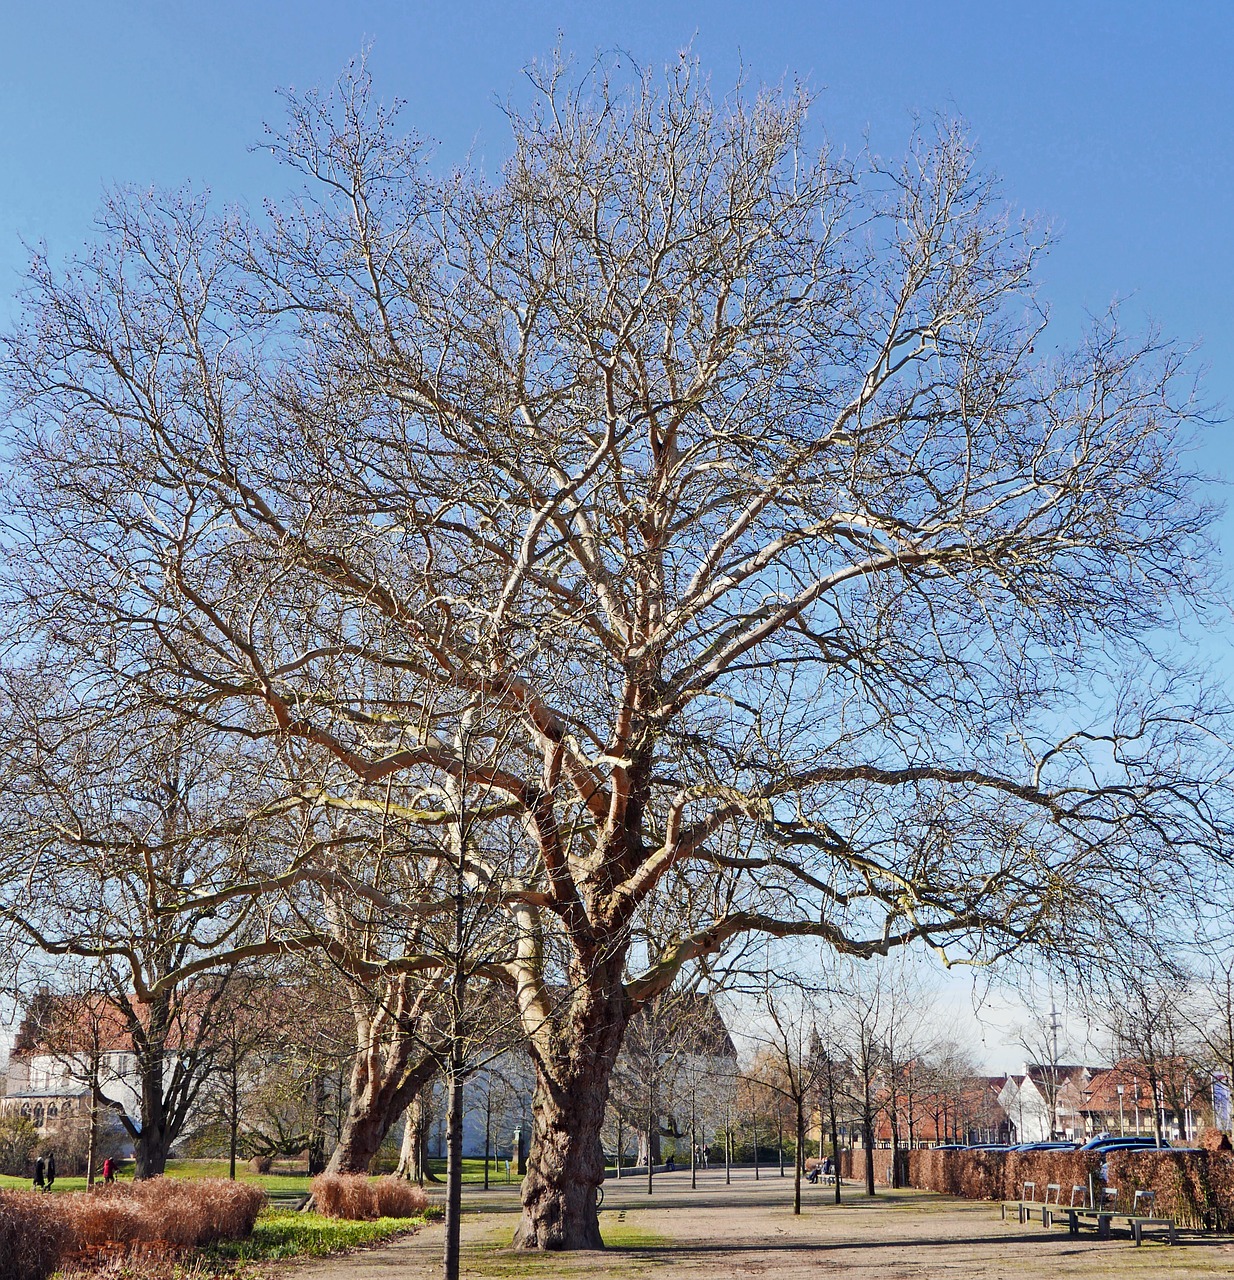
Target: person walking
[38,1174]
[109,1171]
[49,1169]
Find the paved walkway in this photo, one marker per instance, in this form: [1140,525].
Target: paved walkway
[747,1229]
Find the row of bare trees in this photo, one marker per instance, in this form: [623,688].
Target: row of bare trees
[514,591]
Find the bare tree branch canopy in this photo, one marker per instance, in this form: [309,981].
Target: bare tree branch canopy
[734,493]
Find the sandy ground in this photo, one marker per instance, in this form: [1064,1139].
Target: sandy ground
[748,1229]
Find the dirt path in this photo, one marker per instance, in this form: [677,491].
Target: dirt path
[747,1229]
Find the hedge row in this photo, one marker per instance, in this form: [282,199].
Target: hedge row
[1195,1188]
[39,1233]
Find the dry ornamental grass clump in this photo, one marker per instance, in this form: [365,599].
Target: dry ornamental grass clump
[33,1236]
[39,1233]
[358,1197]
[166,1211]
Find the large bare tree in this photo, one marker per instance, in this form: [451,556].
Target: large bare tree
[734,493]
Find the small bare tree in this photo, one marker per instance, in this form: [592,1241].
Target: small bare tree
[795,1057]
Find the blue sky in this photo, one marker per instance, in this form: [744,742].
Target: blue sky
[1112,120]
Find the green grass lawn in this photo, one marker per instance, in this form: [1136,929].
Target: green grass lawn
[280,1233]
[218,1169]
[473,1174]
[181,1169]
[473,1171]
[24,1184]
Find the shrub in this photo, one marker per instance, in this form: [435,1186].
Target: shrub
[34,1237]
[177,1213]
[357,1196]
[18,1139]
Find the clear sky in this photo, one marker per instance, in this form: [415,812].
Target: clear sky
[1111,119]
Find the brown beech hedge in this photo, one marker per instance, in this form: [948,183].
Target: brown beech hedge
[1195,1188]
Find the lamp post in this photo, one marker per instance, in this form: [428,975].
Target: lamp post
[1122,1123]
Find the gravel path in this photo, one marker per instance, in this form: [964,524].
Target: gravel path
[748,1229]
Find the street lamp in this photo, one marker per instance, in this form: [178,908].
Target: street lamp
[1122,1123]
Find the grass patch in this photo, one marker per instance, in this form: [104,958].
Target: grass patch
[494,1258]
[625,1235]
[218,1169]
[280,1233]
[9,1183]
[179,1169]
[473,1171]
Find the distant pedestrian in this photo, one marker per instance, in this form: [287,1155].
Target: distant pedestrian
[38,1174]
[49,1169]
[109,1171]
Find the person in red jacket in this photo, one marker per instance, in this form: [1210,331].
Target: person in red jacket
[109,1171]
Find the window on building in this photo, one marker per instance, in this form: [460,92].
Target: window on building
[52,1112]
[38,1115]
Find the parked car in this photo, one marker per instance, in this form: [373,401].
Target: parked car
[1129,1143]
[1045,1146]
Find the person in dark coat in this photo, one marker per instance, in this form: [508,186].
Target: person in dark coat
[50,1169]
[38,1174]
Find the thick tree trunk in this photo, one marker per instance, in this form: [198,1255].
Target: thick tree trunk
[373,1111]
[153,1140]
[317,1135]
[566,1163]
[410,1164]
